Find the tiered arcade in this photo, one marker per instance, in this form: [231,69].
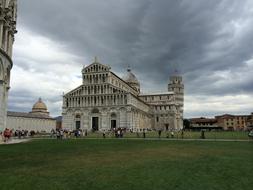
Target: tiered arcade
[105,101]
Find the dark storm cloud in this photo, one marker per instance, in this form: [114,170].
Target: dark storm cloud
[206,41]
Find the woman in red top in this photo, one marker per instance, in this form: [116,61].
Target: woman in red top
[7,134]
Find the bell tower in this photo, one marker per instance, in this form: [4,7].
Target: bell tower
[176,85]
[8,17]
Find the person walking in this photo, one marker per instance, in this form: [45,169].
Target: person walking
[144,133]
[119,133]
[19,134]
[58,134]
[7,135]
[159,133]
[76,133]
[172,134]
[137,133]
[52,133]
[61,134]
[182,134]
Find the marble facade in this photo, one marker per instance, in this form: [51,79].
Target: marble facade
[105,101]
[8,16]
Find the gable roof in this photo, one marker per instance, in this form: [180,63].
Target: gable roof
[95,67]
[77,88]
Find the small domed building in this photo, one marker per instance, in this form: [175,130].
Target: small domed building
[37,120]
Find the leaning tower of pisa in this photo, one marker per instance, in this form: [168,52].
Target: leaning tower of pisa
[176,85]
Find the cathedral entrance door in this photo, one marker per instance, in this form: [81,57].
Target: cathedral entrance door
[113,124]
[95,123]
[167,127]
[78,124]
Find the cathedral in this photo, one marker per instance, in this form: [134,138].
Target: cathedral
[105,101]
[8,16]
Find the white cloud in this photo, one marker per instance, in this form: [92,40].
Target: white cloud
[42,68]
[197,106]
[41,54]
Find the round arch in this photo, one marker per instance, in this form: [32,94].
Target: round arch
[113,120]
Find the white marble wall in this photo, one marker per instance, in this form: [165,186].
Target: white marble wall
[130,118]
[4,87]
[31,124]
[2,107]
[8,16]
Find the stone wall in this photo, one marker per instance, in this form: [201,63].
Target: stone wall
[31,124]
[5,66]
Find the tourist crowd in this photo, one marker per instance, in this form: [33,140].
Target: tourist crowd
[7,134]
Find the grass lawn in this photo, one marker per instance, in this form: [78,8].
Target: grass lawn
[233,135]
[126,164]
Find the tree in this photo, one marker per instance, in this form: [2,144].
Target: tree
[187,124]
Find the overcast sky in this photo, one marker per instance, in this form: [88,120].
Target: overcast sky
[210,43]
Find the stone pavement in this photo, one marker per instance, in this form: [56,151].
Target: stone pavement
[14,141]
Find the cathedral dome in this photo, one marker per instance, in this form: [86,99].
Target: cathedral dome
[130,77]
[131,80]
[40,107]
